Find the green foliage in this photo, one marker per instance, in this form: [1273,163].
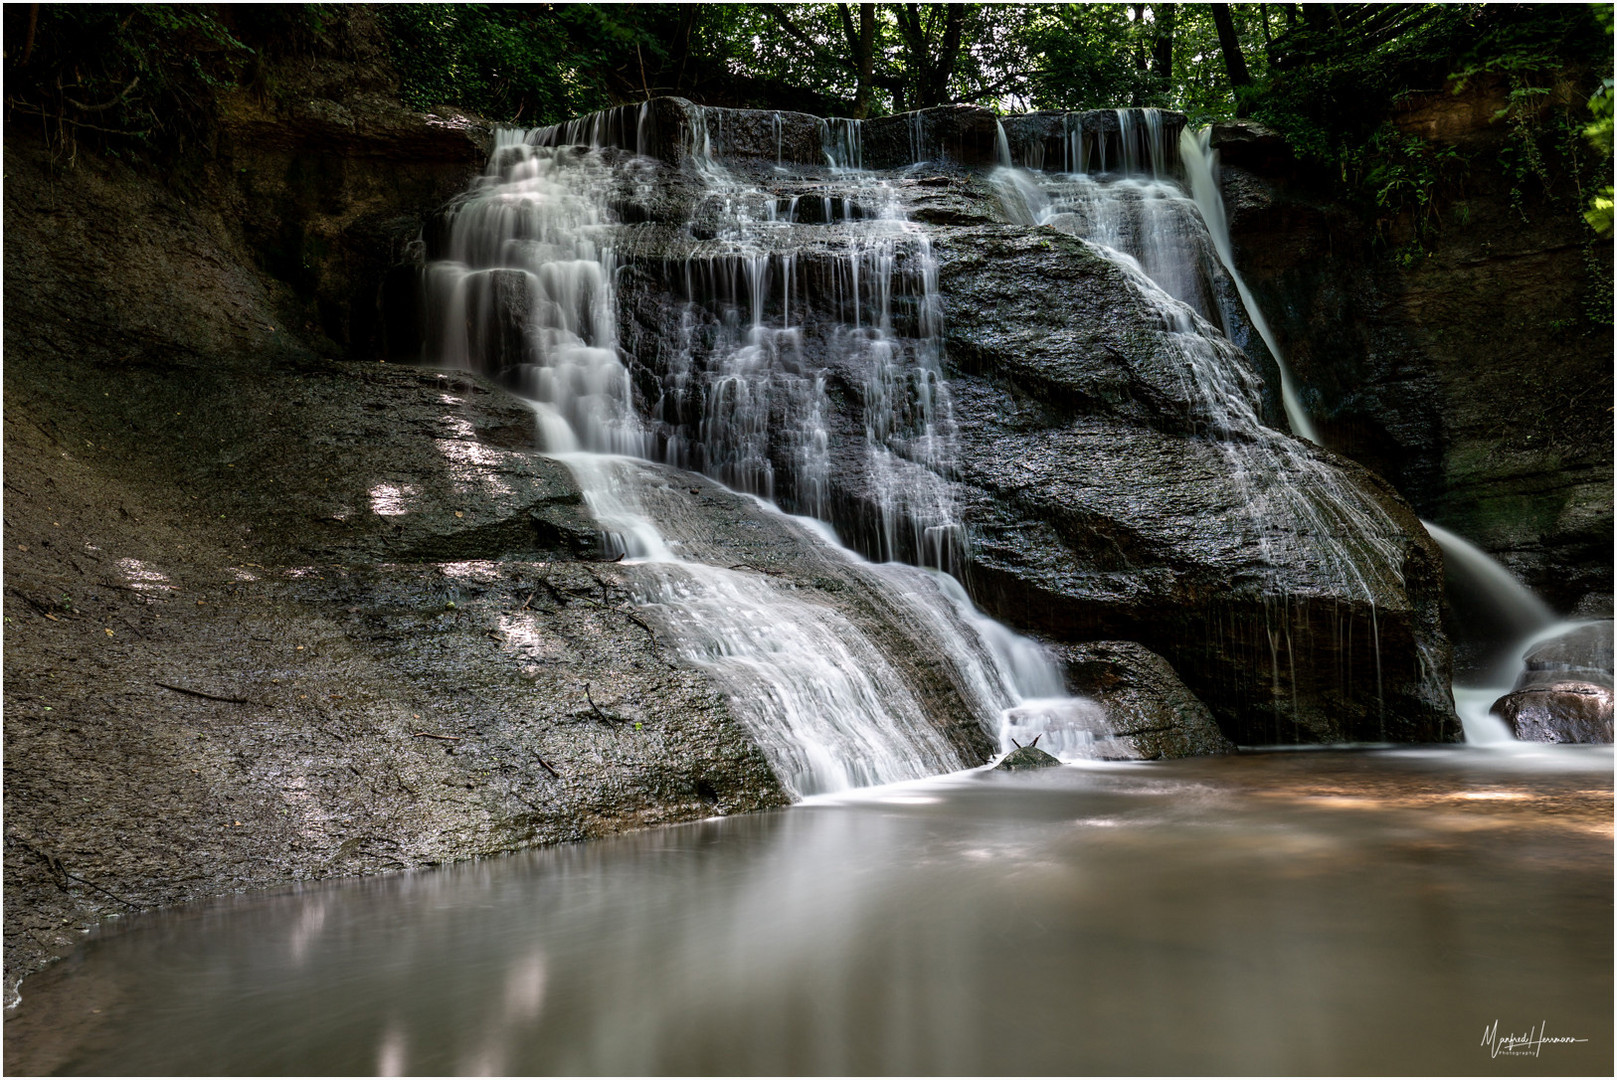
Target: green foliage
[536,64]
[1086,57]
[1403,176]
[1333,84]
[128,77]
[1599,213]
[1599,134]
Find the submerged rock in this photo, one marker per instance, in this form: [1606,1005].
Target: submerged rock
[1027,757]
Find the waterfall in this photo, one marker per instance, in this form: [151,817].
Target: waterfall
[1158,236]
[1530,622]
[1524,611]
[1526,615]
[1172,248]
[1195,150]
[529,285]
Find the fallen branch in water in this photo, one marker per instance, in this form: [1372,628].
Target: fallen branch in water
[200,694]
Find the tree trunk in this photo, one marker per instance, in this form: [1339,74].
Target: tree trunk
[1137,95]
[866,57]
[862,47]
[929,75]
[1230,44]
[954,23]
[1162,48]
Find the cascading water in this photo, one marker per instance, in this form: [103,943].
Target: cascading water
[1527,619]
[529,289]
[1201,172]
[1146,224]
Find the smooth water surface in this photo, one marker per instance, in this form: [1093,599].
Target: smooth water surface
[1369,911]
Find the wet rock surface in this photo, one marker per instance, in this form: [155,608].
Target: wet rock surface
[1027,757]
[273,617]
[1098,506]
[1558,711]
[1102,495]
[1564,693]
[1150,710]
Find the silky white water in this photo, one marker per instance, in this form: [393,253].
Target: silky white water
[531,255]
[1195,150]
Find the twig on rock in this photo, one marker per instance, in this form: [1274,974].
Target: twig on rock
[604,717]
[200,694]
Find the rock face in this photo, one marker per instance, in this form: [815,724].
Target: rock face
[1468,373]
[1098,509]
[273,617]
[1152,713]
[329,180]
[1564,693]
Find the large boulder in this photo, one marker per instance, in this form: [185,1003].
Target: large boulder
[1564,693]
[1294,592]
[1150,711]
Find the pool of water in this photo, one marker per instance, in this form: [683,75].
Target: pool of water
[1366,911]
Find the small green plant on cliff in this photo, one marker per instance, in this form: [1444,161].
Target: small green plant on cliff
[1599,134]
[1335,78]
[1404,176]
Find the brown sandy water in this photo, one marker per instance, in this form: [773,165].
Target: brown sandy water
[1366,911]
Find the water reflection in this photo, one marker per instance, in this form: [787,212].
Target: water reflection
[1288,913]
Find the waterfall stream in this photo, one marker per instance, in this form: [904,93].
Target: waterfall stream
[1176,259]
[528,288]
[1142,224]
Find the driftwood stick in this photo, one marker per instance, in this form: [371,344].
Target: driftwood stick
[638,621]
[200,694]
[99,889]
[434,735]
[604,717]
